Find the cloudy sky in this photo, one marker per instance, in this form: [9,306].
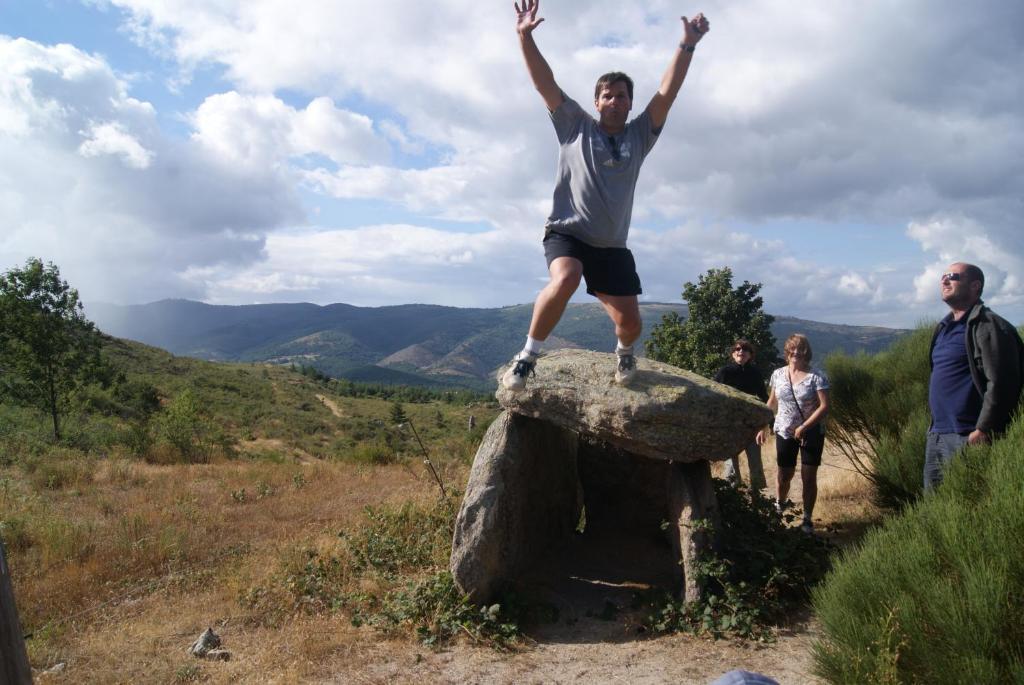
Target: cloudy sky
[842,153]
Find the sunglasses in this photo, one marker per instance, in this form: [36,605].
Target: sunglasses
[951,276]
[741,349]
[797,353]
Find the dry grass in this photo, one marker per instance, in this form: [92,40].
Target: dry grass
[123,564]
[133,565]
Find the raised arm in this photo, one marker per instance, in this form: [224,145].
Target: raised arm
[541,74]
[693,30]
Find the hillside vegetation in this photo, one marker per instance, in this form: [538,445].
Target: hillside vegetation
[216,481]
[407,344]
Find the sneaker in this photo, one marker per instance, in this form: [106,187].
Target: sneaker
[515,378]
[626,369]
[807,527]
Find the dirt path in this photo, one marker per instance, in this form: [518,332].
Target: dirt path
[594,651]
[330,404]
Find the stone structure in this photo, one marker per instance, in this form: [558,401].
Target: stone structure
[573,442]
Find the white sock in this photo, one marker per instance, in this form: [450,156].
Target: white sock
[532,348]
[621,349]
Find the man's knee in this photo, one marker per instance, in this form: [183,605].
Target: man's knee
[565,281]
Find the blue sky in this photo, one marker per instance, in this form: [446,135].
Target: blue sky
[842,153]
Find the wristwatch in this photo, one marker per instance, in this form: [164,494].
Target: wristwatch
[687,48]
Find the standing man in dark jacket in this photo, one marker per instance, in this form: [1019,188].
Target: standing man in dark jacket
[741,374]
[976,361]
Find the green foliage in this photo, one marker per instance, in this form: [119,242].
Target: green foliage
[718,315]
[879,415]
[402,554]
[397,413]
[934,595]
[185,428]
[378,453]
[762,569]
[403,539]
[48,349]
[437,612]
[413,394]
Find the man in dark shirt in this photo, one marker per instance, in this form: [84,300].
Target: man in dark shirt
[976,360]
[741,374]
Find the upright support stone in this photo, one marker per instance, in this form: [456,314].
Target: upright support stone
[691,499]
[521,500]
[14,667]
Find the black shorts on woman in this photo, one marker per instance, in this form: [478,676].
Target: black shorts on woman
[810,449]
[606,270]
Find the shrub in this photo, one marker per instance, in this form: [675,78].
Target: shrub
[60,469]
[390,573]
[762,569]
[935,595]
[877,401]
[184,432]
[403,539]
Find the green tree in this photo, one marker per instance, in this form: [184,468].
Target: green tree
[398,414]
[48,349]
[719,313]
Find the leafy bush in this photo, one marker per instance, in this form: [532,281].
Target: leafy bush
[438,612]
[186,429]
[390,573]
[762,569]
[378,453]
[935,594]
[403,539]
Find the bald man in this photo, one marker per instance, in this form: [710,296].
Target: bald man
[976,361]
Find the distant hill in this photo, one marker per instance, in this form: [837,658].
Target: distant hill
[405,344]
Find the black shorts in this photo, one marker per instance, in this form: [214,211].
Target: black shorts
[810,451]
[607,270]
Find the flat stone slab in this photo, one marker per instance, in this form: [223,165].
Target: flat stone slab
[664,413]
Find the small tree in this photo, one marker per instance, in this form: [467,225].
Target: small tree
[48,349]
[718,315]
[398,413]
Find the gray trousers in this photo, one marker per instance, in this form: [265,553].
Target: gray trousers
[754,465]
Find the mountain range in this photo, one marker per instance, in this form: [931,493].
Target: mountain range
[412,344]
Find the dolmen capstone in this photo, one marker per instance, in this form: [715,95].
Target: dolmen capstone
[627,458]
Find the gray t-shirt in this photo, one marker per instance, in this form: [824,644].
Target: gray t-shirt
[597,173]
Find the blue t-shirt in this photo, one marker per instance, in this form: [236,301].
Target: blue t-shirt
[954,401]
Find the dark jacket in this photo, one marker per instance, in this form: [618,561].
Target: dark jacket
[744,378]
[996,353]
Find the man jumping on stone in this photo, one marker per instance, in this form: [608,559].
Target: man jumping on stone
[598,165]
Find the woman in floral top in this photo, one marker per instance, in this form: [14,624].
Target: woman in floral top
[799,398]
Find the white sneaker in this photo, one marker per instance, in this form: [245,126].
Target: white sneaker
[626,369]
[515,378]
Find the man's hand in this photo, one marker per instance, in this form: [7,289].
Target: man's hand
[526,18]
[978,437]
[695,28]
[761,437]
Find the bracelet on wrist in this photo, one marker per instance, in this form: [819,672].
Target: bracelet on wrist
[687,48]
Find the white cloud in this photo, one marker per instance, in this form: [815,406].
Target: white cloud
[91,183]
[111,139]
[261,131]
[374,265]
[899,113]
